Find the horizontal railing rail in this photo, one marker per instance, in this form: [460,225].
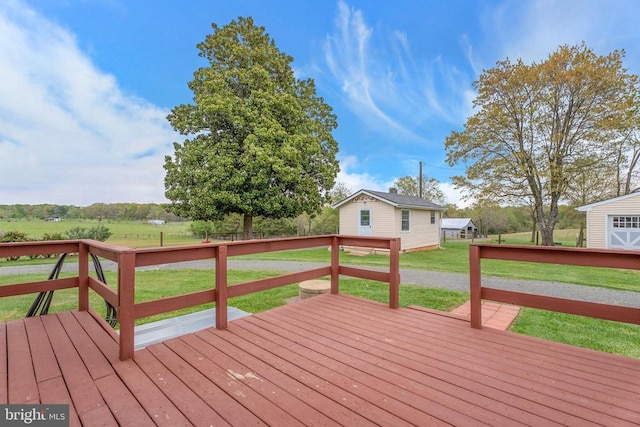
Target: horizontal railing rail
[123,297]
[605,258]
[54,247]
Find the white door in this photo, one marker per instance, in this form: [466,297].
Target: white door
[364,228]
[624,232]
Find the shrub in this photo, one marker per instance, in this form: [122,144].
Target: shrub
[202,229]
[51,236]
[98,232]
[14,236]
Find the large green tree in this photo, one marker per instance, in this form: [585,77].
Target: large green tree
[259,140]
[537,126]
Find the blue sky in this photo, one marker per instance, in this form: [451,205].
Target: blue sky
[85,85]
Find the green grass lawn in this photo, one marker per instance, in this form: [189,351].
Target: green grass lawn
[596,334]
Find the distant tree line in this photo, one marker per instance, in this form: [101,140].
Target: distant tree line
[96,211]
[494,219]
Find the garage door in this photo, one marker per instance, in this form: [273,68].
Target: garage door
[625,232]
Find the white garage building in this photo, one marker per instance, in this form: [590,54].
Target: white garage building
[614,223]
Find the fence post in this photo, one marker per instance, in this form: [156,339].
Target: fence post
[221,287]
[394,273]
[335,265]
[475,286]
[126,298]
[83,276]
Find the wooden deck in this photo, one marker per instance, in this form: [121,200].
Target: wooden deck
[327,360]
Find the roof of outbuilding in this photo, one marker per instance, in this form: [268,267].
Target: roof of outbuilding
[397,200]
[588,207]
[456,223]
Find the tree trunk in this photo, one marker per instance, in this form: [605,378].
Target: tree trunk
[534,228]
[547,235]
[247,228]
[547,224]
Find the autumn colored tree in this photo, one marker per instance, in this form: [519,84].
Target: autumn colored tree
[626,158]
[537,126]
[259,140]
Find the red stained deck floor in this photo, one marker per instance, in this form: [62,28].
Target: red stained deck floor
[328,360]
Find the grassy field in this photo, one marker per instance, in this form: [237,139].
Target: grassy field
[126,233]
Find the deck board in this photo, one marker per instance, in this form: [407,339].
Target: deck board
[327,360]
[185,400]
[228,382]
[21,377]
[97,365]
[85,396]
[434,389]
[575,400]
[279,396]
[354,373]
[360,397]
[101,334]
[154,402]
[225,405]
[313,390]
[123,404]
[55,390]
[45,365]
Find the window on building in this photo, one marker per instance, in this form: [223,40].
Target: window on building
[405,219]
[433,217]
[626,222]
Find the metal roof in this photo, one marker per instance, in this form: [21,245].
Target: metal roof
[456,223]
[397,200]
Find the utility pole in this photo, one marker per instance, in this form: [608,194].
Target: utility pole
[420,180]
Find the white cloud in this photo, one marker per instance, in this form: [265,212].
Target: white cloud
[532,30]
[453,195]
[68,133]
[389,91]
[357,181]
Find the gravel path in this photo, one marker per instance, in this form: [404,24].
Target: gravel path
[453,281]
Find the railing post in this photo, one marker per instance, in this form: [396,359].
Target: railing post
[83,276]
[221,287]
[475,286]
[335,265]
[126,298]
[394,273]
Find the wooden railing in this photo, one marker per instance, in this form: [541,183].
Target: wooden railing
[554,255]
[127,259]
